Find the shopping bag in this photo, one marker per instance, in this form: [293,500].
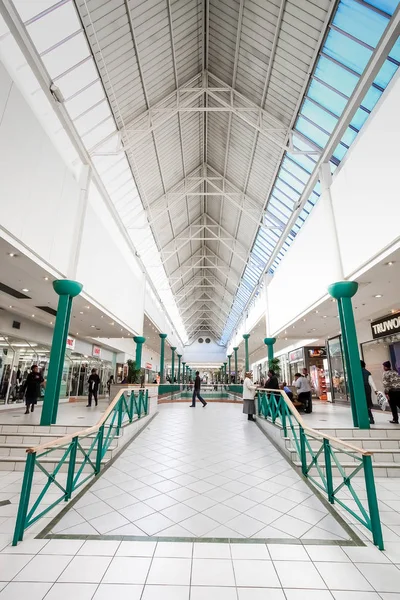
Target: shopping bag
[382,400]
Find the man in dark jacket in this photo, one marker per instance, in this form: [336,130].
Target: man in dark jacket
[368,386]
[196,392]
[94,382]
[32,386]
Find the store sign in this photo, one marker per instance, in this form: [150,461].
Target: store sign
[70,343]
[317,352]
[385,326]
[149,366]
[296,355]
[96,351]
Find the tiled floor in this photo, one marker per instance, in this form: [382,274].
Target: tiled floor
[195,469]
[69,413]
[327,415]
[201,473]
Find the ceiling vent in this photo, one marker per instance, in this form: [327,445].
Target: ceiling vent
[200,340]
[14,293]
[48,310]
[208,340]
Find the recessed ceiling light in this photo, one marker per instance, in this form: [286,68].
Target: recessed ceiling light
[304,320]
[317,311]
[325,317]
[87,307]
[81,312]
[390,263]
[51,322]
[121,329]
[93,326]
[77,333]
[10,306]
[112,323]
[102,317]
[12,254]
[25,290]
[378,295]
[313,329]
[46,278]
[33,315]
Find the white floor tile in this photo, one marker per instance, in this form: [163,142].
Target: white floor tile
[163,592]
[367,554]
[383,578]
[292,526]
[85,569]
[178,512]
[308,595]
[107,523]
[200,502]
[16,590]
[288,552]
[327,554]
[239,503]
[77,591]
[256,573]
[174,550]
[212,572]
[131,548]
[361,596]
[154,523]
[136,511]
[208,550]
[343,576]
[250,552]
[105,591]
[199,524]
[261,594]
[245,525]
[46,568]
[297,575]
[169,571]
[62,547]
[31,546]
[181,494]
[206,593]
[99,548]
[221,513]
[160,502]
[127,570]
[175,531]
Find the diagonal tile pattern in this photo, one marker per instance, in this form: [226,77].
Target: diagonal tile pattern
[202,473]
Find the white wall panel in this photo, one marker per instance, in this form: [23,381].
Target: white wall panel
[306,271]
[366,190]
[38,195]
[107,268]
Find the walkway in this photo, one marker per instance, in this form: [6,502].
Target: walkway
[201,473]
[73,414]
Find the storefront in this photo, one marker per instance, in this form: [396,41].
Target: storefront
[314,359]
[17,355]
[337,371]
[384,345]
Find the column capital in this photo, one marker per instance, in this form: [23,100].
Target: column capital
[246,336]
[225,363]
[229,356]
[236,349]
[163,336]
[343,289]
[269,341]
[67,287]
[179,355]
[138,339]
[173,348]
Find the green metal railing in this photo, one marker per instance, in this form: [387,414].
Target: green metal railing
[320,454]
[72,452]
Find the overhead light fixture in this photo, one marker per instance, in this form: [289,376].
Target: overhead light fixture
[325,317]
[378,295]
[390,263]
[12,255]
[10,306]
[93,326]
[81,312]
[102,317]
[317,311]
[33,315]
[46,278]
[25,290]
[87,307]
[51,322]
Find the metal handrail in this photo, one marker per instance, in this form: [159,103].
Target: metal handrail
[317,465]
[75,456]
[306,427]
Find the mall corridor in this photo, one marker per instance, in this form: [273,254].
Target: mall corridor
[200,505]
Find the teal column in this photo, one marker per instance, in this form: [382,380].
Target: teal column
[162,371]
[173,348]
[139,341]
[236,364]
[183,372]
[343,291]
[229,368]
[179,367]
[67,290]
[269,342]
[225,372]
[246,351]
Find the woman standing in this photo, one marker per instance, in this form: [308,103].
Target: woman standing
[249,407]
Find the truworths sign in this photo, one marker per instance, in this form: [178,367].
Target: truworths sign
[385,326]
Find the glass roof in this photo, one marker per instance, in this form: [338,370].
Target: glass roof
[352,37]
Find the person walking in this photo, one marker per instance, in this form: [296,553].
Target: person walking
[110,382]
[303,391]
[391,385]
[31,388]
[249,406]
[272,382]
[369,385]
[196,392]
[94,382]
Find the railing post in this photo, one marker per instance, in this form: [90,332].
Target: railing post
[99,455]
[303,452]
[131,400]
[71,468]
[140,399]
[147,403]
[376,527]
[328,469]
[119,409]
[283,415]
[24,498]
